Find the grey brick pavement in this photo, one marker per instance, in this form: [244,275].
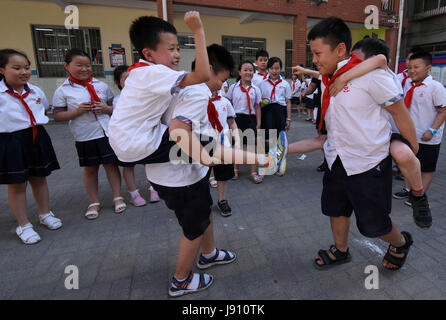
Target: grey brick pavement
[276,230]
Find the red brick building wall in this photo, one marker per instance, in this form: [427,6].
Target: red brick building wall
[301,10]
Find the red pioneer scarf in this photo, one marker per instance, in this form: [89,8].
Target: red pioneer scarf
[273,93]
[354,61]
[213,115]
[409,94]
[28,110]
[247,96]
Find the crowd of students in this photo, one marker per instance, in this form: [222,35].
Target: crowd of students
[365,115]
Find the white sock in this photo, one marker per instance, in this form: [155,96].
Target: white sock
[134,193]
[196,280]
[407,189]
[221,254]
[151,188]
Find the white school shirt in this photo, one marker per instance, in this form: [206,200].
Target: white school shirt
[358,124]
[222,91]
[239,100]
[297,88]
[13,114]
[190,105]
[225,110]
[115,100]
[282,93]
[400,77]
[257,78]
[135,130]
[84,127]
[426,100]
[397,82]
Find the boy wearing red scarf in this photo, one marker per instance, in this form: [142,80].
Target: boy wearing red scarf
[359,178]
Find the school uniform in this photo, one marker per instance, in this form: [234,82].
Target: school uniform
[90,130]
[274,114]
[184,186]
[135,132]
[427,98]
[359,178]
[245,110]
[308,100]
[296,89]
[224,88]
[258,78]
[225,111]
[404,79]
[115,100]
[317,103]
[26,149]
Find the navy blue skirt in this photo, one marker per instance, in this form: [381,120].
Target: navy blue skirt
[20,158]
[95,152]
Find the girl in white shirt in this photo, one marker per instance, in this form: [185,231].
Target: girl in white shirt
[248,113]
[26,151]
[87,103]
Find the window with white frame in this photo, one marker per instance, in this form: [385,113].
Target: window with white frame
[242,48]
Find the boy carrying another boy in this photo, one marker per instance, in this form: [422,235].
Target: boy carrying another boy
[184,187]
[359,178]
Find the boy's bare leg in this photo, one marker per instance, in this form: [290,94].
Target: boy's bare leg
[408,164]
[427,178]
[187,253]
[208,245]
[339,227]
[307,145]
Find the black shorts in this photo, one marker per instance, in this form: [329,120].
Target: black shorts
[191,204]
[369,194]
[159,156]
[223,172]
[399,137]
[295,100]
[309,103]
[428,156]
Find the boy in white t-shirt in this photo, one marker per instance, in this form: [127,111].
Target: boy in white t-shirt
[359,178]
[135,131]
[426,100]
[262,57]
[184,186]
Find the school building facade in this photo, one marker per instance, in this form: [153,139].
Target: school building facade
[38,27]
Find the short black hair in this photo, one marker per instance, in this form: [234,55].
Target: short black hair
[333,31]
[4,57]
[219,58]
[272,61]
[117,73]
[415,49]
[145,32]
[70,54]
[372,47]
[424,55]
[262,53]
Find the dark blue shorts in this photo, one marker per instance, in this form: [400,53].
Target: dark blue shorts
[428,156]
[368,194]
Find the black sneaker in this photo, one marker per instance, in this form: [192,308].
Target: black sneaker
[225,209]
[421,211]
[403,194]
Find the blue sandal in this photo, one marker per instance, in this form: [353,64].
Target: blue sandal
[204,263]
[179,288]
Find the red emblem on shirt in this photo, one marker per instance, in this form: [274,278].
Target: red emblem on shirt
[38,101]
[421,94]
[346,88]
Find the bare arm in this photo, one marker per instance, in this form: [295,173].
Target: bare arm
[404,123]
[372,63]
[61,114]
[301,70]
[233,126]
[258,115]
[439,120]
[288,114]
[312,88]
[202,69]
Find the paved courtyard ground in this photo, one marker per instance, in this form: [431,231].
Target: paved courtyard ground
[276,229]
